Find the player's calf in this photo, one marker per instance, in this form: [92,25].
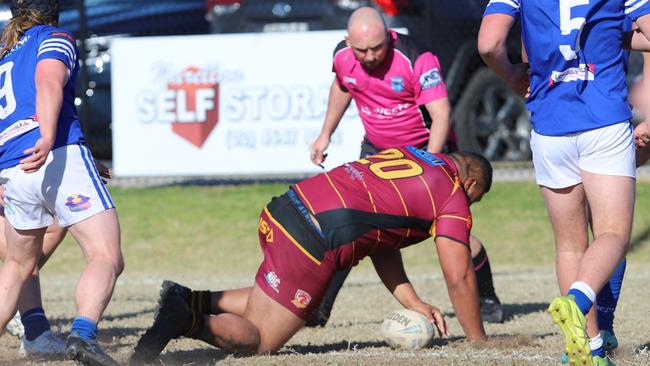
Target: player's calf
[232,334]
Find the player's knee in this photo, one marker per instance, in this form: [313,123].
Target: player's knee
[119,265]
[25,268]
[113,260]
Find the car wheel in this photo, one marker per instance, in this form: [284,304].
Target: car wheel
[491,119]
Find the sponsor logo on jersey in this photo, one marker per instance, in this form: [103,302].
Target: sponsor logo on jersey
[430,79]
[64,35]
[301,299]
[273,280]
[20,43]
[428,157]
[77,203]
[9,207]
[266,230]
[350,80]
[582,72]
[397,83]
[384,112]
[353,172]
[16,129]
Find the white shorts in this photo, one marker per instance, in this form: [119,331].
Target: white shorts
[559,160]
[67,186]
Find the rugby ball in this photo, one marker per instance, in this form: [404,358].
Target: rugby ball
[407,329]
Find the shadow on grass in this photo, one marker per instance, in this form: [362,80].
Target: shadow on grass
[352,346]
[512,311]
[61,322]
[200,356]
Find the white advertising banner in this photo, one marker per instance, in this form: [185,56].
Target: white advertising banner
[240,104]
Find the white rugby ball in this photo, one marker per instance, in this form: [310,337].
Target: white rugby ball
[407,329]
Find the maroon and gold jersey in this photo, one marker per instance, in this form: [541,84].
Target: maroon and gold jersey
[390,200]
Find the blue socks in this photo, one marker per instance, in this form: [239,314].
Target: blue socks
[86,328]
[607,299]
[35,323]
[583,295]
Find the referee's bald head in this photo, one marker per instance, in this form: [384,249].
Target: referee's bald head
[368,37]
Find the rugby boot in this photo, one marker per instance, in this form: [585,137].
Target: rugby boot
[491,309]
[47,343]
[609,340]
[15,326]
[172,319]
[86,352]
[573,325]
[198,301]
[602,361]
[171,288]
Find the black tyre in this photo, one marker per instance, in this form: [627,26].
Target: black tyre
[491,119]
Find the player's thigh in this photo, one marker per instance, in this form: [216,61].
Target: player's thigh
[567,213]
[608,168]
[99,236]
[3,239]
[611,202]
[23,246]
[275,323]
[54,235]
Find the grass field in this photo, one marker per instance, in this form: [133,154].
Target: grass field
[206,237]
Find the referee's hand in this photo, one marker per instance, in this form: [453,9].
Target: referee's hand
[317,150]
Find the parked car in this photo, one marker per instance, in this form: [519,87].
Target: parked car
[488,117]
[97,25]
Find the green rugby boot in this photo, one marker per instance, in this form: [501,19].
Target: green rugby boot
[573,325]
[602,361]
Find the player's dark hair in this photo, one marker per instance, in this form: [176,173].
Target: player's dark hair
[477,166]
[23,19]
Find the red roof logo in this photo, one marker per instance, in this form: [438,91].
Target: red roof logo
[196,110]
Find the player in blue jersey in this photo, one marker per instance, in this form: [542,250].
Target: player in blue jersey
[48,171]
[582,140]
[33,328]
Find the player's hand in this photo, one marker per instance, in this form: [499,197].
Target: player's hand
[434,315]
[37,155]
[104,172]
[2,196]
[317,149]
[642,134]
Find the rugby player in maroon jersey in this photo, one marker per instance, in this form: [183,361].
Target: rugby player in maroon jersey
[372,207]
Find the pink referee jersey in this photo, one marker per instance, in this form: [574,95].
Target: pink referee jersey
[389,99]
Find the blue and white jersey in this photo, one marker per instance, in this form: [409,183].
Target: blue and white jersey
[576,58]
[18,126]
